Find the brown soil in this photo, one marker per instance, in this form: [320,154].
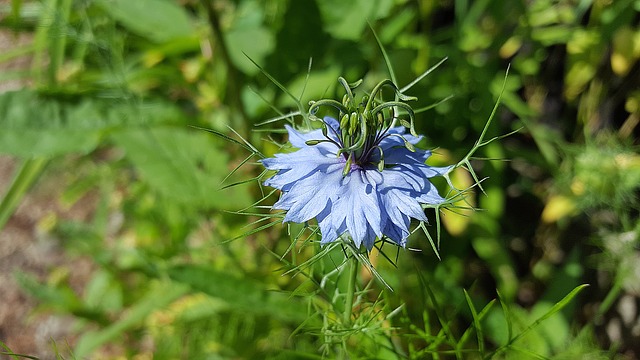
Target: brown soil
[20,252]
[26,248]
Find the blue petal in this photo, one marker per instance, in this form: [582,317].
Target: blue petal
[333,128]
[431,197]
[330,226]
[294,159]
[370,238]
[297,165]
[400,130]
[397,234]
[308,197]
[358,204]
[402,178]
[398,203]
[285,179]
[299,139]
[401,155]
[366,204]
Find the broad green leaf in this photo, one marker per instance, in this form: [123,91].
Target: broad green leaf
[507,316]
[316,86]
[160,295]
[255,42]
[182,164]
[157,20]
[499,324]
[103,292]
[243,294]
[198,306]
[247,37]
[35,125]
[348,19]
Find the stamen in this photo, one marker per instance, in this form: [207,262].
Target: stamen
[364,125]
[347,165]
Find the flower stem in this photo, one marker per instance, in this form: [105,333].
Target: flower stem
[351,289]
[234,77]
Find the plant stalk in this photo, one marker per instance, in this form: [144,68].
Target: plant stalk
[25,177]
[234,78]
[351,289]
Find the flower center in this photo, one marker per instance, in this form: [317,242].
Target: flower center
[364,124]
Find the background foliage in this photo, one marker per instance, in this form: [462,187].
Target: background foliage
[103,111]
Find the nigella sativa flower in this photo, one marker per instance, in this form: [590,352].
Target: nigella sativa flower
[360,176]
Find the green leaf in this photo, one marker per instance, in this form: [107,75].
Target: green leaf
[535,339]
[348,19]
[494,253]
[507,316]
[476,323]
[183,165]
[28,173]
[553,310]
[60,298]
[160,295]
[13,355]
[157,20]
[243,294]
[103,292]
[247,37]
[317,84]
[563,281]
[35,125]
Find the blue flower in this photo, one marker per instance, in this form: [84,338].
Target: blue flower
[370,191]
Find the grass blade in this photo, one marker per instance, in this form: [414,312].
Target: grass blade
[423,75]
[26,176]
[387,61]
[476,323]
[554,309]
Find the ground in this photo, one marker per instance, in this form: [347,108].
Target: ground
[25,249]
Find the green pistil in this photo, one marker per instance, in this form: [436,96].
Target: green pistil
[363,125]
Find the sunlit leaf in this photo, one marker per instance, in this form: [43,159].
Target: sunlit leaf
[35,125]
[160,295]
[157,20]
[558,207]
[182,164]
[347,20]
[248,37]
[243,294]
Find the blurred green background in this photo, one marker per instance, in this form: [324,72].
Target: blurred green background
[118,233]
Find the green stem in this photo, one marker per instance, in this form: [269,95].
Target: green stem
[351,289]
[58,39]
[608,301]
[234,77]
[25,177]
